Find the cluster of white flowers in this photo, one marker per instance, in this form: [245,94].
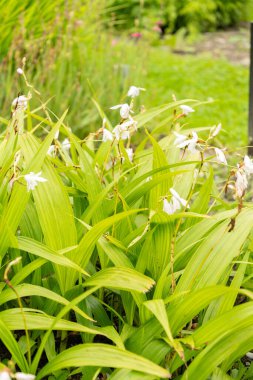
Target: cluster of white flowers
[175,203]
[122,130]
[6,375]
[183,141]
[191,142]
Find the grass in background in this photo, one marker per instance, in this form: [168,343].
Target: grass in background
[73,59]
[71,79]
[204,78]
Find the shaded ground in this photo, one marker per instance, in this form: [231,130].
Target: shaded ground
[234,45]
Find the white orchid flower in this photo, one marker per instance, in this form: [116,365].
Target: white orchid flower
[4,375]
[220,156]
[130,154]
[186,109]
[24,376]
[21,102]
[177,197]
[241,183]
[124,110]
[215,130]
[66,144]
[175,203]
[121,132]
[168,207]
[32,180]
[179,138]
[134,91]
[107,135]
[190,143]
[248,165]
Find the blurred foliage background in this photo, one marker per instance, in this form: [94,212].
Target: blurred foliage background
[192,15]
[80,51]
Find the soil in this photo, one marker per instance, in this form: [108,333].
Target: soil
[234,45]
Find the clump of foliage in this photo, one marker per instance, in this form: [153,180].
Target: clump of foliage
[69,55]
[191,15]
[119,259]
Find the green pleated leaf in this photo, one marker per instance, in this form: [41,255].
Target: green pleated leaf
[89,240]
[127,374]
[159,160]
[216,352]
[41,250]
[121,278]
[28,290]
[216,253]
[10,343]
[102,355]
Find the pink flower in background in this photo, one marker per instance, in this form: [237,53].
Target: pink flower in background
[157,28]
[136,35]
[114,42]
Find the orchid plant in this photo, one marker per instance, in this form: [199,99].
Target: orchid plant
[119,259]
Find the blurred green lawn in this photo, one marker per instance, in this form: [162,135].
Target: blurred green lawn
[201,77]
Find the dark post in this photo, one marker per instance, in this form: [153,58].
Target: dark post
[250,125]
